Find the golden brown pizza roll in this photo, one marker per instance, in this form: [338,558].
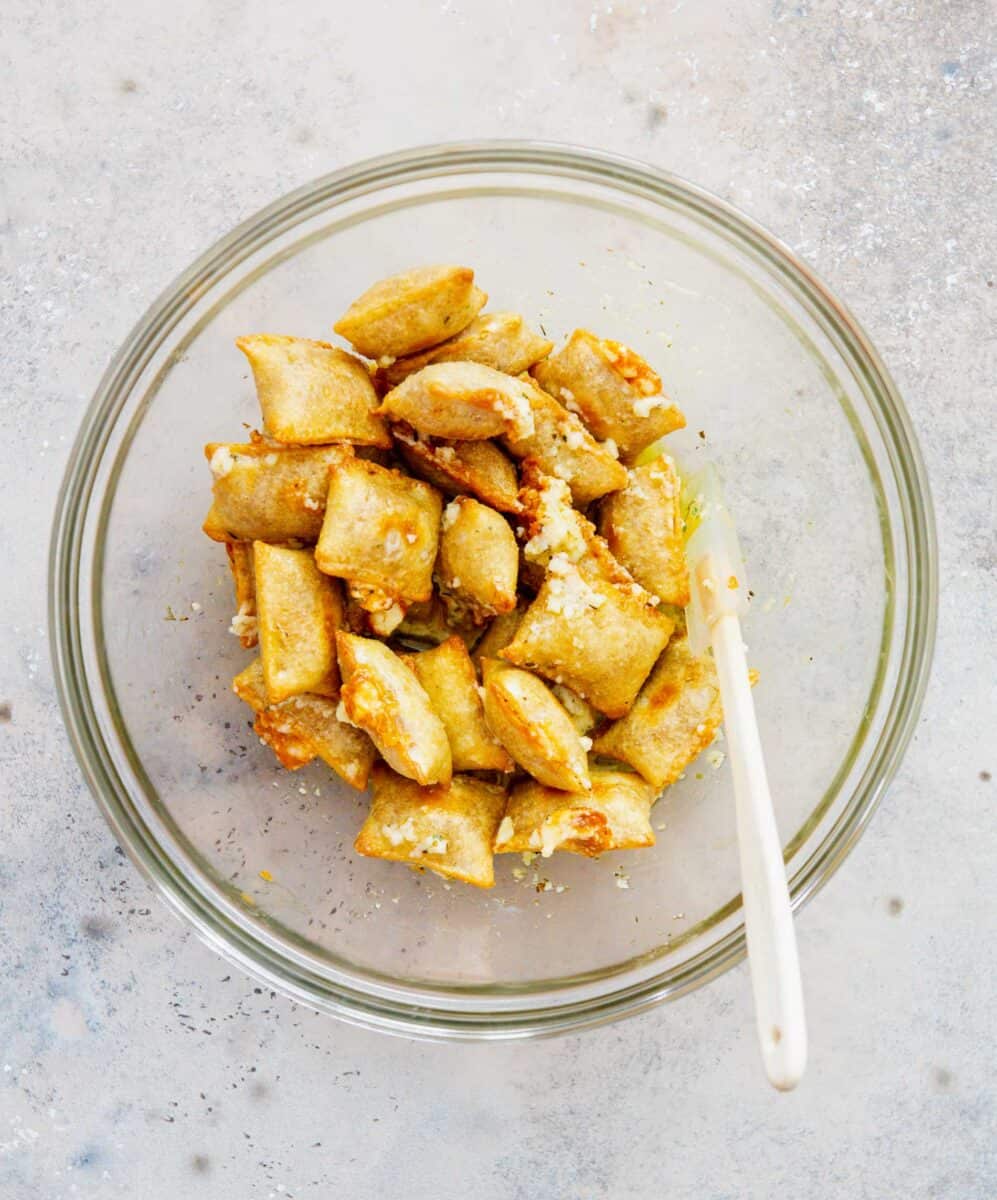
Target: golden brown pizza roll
[298,612]
[643,527]
[613,815]
[240,561]
[311,392]
[381,696]
[499,633]
[525,716]
[460,468]
[411,311]
[461,400]
[305,727]
[599,636]
[448,677]
[380,533]
[613,390]
[564,448]
[269,493]
[674,718]
[449,828]
[499,340]
[478,563]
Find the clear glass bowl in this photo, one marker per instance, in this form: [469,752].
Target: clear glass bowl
[781,389]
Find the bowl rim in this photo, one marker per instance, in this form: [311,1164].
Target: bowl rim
[401,1013]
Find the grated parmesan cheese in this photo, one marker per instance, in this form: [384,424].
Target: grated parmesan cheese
[647,404]
[450,515]
[396,834]
[244,622]
[559,529]
[567,592]
[221,462]
[554,832]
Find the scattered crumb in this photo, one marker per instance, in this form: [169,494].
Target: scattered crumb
[622,878]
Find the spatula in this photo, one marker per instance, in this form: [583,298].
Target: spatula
[718,596]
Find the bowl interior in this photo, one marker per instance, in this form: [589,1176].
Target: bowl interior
[770,395]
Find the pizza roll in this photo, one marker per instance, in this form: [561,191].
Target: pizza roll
[448,677]
[411,311]
[499,633]
[306,727]
[381,696]
[474,468]
[478,563]
[525,716]
[499,340]
[448,828]
[380,533]
[613,390]
[298,612]
[675,717]
[312,392]
[613,815]
[269,493]
[599,636]
[461,400]
[643,527]
[564,448]
[240,561]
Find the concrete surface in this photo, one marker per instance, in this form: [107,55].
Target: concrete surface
[134,1062]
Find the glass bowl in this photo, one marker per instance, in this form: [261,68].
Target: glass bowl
[781,389]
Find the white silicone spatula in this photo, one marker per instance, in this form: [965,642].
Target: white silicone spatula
[718,595]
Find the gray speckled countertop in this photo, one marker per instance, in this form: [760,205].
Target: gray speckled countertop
[136,1063]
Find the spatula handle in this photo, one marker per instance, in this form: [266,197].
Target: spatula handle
[768,917]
